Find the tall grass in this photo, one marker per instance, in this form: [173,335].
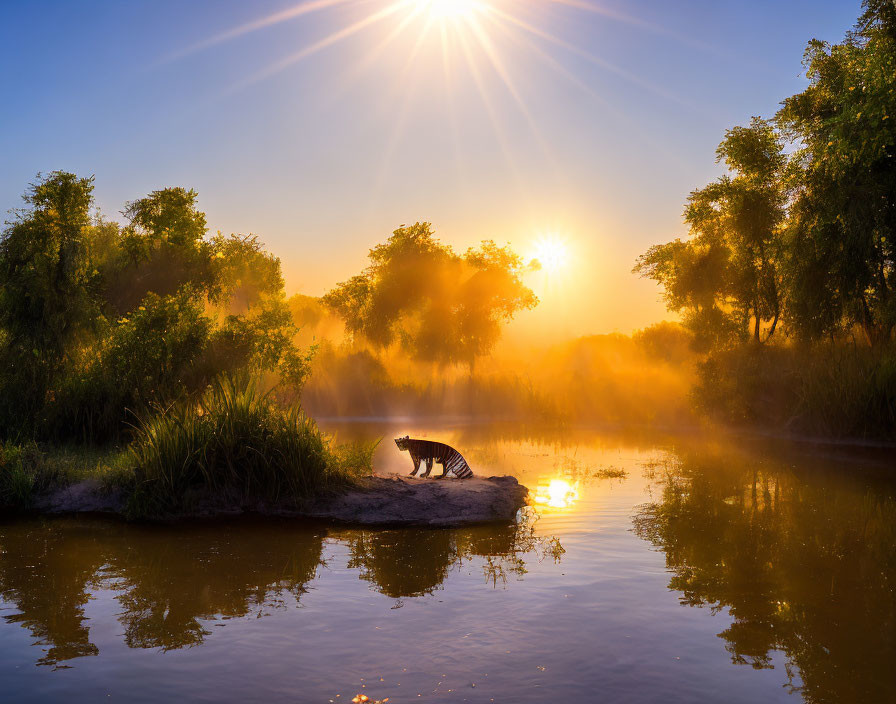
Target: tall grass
[835,390]
[24,473]
[235,443]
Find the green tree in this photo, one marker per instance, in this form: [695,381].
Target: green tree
[246,273]
[48,292]
[843,231]
[727,277]
[437,305]
[162,249]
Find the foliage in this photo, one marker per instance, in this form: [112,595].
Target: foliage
[100,321]
[261,342]
[805,238]
[235,443]
[826,390]
[728,275]
[246,273]
[809,237]
[437,305]
[844,214]
[608,379]
[48,297]
[20,476]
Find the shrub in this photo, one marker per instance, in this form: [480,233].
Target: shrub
[235,443]
[24,473]
[830,389]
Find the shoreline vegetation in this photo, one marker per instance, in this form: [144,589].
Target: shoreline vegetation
[167,361]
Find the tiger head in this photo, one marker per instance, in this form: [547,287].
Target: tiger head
[402,442]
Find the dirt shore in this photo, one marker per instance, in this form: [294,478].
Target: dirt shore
[375,501]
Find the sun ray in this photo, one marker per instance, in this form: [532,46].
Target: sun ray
[356,71]
[603,63]
[398,126]
[636,22]
[262,23]
[547,58]
[449,102]
[560,69]
[493,56]
[492,115]
[327,41]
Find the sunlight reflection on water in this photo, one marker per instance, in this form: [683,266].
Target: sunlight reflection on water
[556,493]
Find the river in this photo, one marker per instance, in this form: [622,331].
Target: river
[649,568]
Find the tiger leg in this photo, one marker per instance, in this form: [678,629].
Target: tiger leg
[416,462]
[428,466]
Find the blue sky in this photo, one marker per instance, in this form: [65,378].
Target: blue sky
[595,136]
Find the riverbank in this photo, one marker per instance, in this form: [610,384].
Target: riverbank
[384,501]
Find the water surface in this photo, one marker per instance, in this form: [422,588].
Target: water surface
[650,569]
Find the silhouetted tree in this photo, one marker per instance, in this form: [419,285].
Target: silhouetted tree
[437,305]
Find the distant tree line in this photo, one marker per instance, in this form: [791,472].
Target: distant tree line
[799,238]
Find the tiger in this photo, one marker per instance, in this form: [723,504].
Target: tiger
[430,452]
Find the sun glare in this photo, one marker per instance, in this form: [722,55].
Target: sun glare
[448,9]
[551,253]
[557,493]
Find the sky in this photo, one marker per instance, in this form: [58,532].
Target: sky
[323,125]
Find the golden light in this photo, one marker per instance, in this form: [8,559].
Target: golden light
[448,9]
[557,493]
[551,253]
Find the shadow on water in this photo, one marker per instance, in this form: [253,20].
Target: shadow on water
[803,560]
[172,583]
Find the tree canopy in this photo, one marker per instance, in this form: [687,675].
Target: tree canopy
[437,305]
[803,227]
[98,320]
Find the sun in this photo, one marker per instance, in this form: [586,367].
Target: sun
[448,9]
[551,253]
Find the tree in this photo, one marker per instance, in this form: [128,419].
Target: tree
[162,249]
[48,291]
[728,275]
[438,306]
[99,321]
[246,273]
[843,231]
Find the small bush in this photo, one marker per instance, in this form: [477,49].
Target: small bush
[24,473]
[235,443]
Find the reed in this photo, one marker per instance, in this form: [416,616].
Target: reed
[236,443]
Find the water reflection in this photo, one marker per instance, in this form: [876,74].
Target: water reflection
[807,568]
[173,583]
[414,562]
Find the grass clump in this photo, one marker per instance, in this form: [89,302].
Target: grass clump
[235,443]
[24,473]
